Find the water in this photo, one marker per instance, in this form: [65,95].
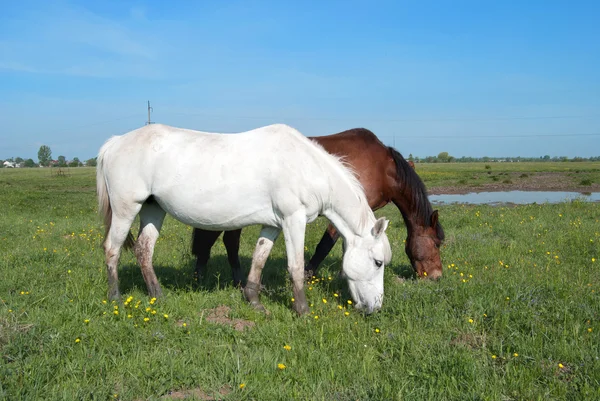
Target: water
[517,197]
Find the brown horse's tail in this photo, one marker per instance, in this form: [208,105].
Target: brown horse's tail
[104,208]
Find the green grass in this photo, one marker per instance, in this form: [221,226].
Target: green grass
[477,174]
[520,284]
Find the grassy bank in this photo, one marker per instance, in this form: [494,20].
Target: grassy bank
[464,177]
[516,315]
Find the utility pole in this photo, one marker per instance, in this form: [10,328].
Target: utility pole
[149,109]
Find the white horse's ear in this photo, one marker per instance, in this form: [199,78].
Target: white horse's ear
[380,226]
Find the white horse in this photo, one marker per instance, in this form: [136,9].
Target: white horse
[273,176]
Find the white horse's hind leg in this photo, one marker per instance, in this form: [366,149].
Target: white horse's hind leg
[267,237]
[294,228]
[151,220]
[119,229]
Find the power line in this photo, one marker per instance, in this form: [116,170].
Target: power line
[216,116]
[454,136]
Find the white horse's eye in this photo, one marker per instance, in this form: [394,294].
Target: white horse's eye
[378,263]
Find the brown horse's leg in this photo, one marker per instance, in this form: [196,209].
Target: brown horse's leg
[232,244]
[202,243]
[267,237]
[327,242]
[151,219]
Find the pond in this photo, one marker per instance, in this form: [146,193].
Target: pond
[516,197]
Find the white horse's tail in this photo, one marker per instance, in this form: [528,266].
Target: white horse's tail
[104,208]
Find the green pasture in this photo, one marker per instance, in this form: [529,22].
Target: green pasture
[515,317]
[583,175]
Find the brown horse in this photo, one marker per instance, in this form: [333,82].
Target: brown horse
[386,177]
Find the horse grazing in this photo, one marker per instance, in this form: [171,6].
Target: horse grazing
[273,176]
[386,177]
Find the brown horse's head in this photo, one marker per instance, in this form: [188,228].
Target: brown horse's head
[423,248]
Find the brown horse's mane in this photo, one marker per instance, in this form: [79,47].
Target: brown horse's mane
[409,180]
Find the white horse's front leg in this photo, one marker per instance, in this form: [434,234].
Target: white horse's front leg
[267,237]
[294,228]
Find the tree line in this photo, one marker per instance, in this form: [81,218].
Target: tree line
[444,157]
[45,160]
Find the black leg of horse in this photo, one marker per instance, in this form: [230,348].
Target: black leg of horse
[327,242]
[231,239]
[202,242]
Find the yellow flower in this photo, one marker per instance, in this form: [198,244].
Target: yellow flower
[376,330]
[116,312]
[593,259]
[310,288]
[281,366]
[153,312]
[146,319]
[336,294]
[589,330]
[324,301]
[148,309]
[77,340]
[560,365]
[129,316]
[104,301]
[152,301]
[346,313]
[425,274]
[317,316]
[287,347]
[349,302]
[86,321]
[493,356]
[166,316]
[242,385]
[471,321]
[515,355]
[340,307]
[293,300]
[184,325]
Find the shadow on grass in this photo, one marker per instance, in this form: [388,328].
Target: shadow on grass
[276,286]
[404,271]
[217,277]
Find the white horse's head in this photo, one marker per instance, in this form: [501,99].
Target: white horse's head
[363,265]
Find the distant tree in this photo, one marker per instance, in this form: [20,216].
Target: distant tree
[44,155]
[62,161]
[411,158]
[75,162]
[19,160]
[1,163]
[91,162]
[29,163]
[546,158]
[443,157]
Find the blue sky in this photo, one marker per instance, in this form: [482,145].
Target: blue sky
[472,78]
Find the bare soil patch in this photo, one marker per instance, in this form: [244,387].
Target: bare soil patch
[197,394]
[220,315]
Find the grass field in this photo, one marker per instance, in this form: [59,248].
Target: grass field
[578,176]
[516,316]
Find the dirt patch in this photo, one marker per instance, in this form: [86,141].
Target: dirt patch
[220,315]
[545,181]
[472,341]
[197,394]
